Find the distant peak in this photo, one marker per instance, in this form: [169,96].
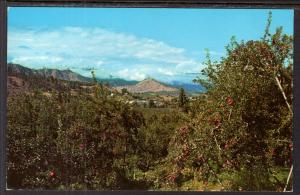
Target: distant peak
[149,79]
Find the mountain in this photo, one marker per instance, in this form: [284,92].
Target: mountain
[188,87]
[68,75]
[114,82]
[148,85]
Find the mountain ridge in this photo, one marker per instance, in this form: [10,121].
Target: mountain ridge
[147,85]
[68,75]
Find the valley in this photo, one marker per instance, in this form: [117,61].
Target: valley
[148,92]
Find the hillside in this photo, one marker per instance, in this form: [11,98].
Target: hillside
[68,75]
[148,85]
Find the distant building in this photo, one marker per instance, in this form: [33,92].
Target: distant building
[145,103]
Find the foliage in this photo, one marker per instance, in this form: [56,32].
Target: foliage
[76,138]
[124,91]
[244,125]
[182,100]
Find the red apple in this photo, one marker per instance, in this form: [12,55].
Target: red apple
[52,174]
[81,146]
[229,101]
[226,146]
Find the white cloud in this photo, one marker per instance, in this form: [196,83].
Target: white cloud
[99,63]
[133,74]
[166,71]
[109,52]
[42,59]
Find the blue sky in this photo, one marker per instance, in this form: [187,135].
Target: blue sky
[131,43]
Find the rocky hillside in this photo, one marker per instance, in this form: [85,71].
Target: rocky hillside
[148,85]
[68,75]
